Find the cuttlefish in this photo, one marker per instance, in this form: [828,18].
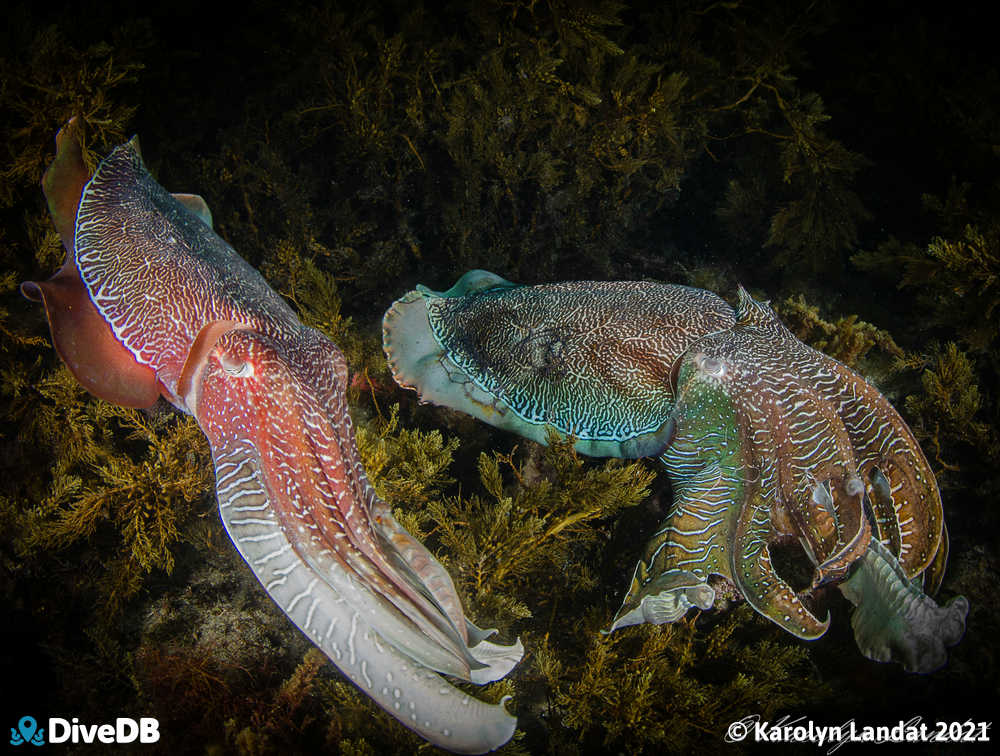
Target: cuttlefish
[766,442]
[151,302]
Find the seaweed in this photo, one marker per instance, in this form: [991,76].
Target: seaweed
[847,338]
[509,132]
[822,220]
[957,279]
[673,688]
[134,479]
[946,412]
[536,538]
[47,81]
[408,467]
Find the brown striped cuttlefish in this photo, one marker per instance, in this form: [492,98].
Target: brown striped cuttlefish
[765,440]
[151,302]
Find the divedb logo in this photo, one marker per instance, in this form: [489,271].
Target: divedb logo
[124,730]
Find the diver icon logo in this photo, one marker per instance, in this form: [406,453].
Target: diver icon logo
[27,731]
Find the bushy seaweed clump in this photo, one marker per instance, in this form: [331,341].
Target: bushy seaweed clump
[526,137]
[847,338]
[674,688]
[955,276]
[47,80]
[953,281]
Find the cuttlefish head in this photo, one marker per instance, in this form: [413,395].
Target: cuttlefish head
[296,501]
[280,409]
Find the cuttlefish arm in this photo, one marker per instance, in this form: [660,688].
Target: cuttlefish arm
[282,518]
[184,316]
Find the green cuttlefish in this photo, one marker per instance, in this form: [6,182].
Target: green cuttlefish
[765,440]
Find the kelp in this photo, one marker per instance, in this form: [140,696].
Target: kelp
[955,274]
[821,221]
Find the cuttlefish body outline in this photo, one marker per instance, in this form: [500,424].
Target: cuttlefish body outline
[152,302]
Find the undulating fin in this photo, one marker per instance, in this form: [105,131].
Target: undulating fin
[327,612]
[894,620]
[472,282]
[63,182]
[197,205]
[80,335]
[86,344]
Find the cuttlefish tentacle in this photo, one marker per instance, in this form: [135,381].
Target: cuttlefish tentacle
[177,312]
[895,620]
[705,462]
[765,441]
[888,455]
[890,451]
[797,434]
[688,547]
[328,617]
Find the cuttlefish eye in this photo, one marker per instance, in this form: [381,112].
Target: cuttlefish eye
[713,366]
[236,367]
